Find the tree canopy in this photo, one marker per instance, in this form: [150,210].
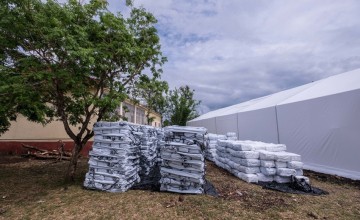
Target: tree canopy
[71,62]
[181,106]
[153,92]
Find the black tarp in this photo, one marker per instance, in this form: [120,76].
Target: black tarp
[296,186]
[151,182]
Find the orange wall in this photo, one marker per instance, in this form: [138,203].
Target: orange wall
[35,134]
[24,131]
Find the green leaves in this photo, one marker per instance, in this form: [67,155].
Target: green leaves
[181,105]
[152,91]
[71,61]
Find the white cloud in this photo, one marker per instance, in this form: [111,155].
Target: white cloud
[231,51]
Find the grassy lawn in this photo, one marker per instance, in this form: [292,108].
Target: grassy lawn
[31,189]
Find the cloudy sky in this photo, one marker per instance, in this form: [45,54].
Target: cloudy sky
[231,51]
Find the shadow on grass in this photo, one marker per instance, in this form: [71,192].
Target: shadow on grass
[31,180]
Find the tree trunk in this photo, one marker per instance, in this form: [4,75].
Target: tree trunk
[70,174]
[148,117]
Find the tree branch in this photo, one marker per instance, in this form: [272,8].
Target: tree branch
[137,71]
[61,111]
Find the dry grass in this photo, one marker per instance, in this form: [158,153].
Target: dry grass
[34,190]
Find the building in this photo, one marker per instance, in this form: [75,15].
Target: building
[137,114]
[46,137]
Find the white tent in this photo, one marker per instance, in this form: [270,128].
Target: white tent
[319,120]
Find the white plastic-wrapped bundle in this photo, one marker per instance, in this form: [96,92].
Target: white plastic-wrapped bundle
[148,137]
[114,158]
[267,163]
[279,164]
[267,155]
[265,178]
[182,160]
[222,154]
[282,179]
[241,146]
[285,172]
[295,165]
[160,134]
[246,154]
[247,170]
[275,147]
[231,155]
[210,145]
[286,164]
[270,162]
[287,157]
[231,136]
[268,171]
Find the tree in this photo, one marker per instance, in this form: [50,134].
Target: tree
[181,106]
[71,62]
[152,91]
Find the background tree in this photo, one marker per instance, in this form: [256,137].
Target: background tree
[71,62]
[152,91]
[181,106]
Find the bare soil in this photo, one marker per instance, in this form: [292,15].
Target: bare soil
[33,189]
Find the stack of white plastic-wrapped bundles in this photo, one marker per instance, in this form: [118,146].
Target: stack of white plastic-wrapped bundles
[148,149]
[160,134]
[114,158]
[222,156]
[254,161]
[210,147]
[183,168]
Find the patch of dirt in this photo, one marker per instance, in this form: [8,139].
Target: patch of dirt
[331,178]
[230,191]
[4,159]
[255,201]
[265,202]
[2,211]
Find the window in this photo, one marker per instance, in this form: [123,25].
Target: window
[129,111]
[140,116]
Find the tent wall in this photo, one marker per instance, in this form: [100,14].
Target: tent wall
[226,123]
[319,120]
[209,124]
[258,125]
[325,131]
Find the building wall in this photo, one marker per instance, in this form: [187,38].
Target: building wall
[137,114]
[47,137]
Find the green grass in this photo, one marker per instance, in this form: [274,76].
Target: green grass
[34,190]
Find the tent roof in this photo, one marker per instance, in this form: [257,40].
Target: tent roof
[332,85]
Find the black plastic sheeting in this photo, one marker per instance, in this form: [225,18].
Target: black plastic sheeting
[209,189]
[295,187]
[151,182]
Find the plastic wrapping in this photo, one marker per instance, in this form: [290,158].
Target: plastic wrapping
[267,161]
[295,165]
[285,172]
[114,162]
[183,167]
[210,145]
